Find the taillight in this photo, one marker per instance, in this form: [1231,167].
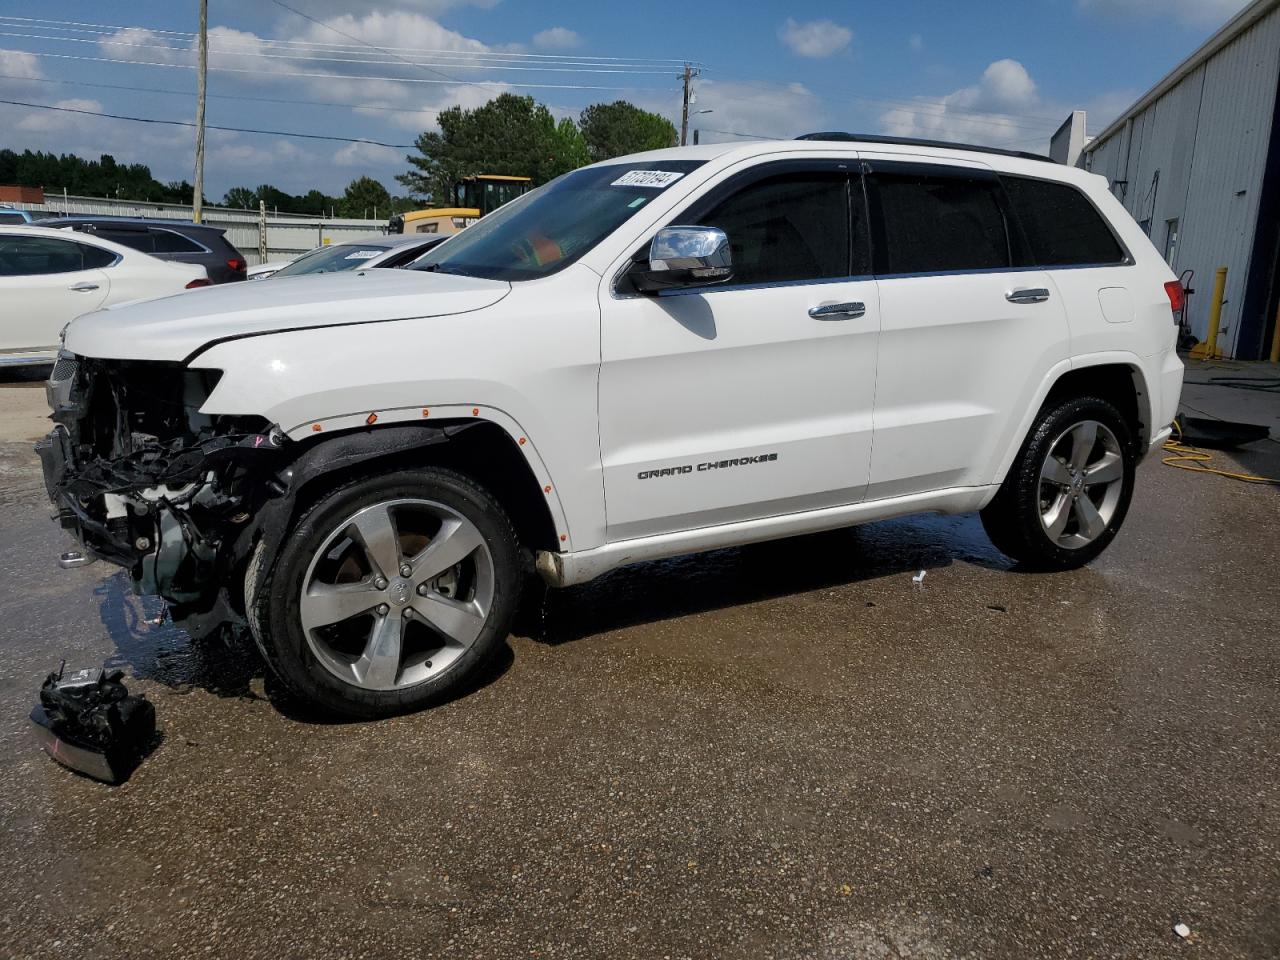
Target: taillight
[238,265]
[1177,296]
[199,282]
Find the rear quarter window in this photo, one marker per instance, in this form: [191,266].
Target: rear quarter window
[1062,227]
[167,241]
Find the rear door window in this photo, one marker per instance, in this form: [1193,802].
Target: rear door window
[937,222]
[36,256]
[1062,227]
[134,239]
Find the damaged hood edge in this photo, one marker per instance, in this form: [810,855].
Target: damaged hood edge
[173,328]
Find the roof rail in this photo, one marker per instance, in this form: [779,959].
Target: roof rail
[916,142]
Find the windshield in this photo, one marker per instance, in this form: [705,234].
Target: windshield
[548,229]
[346,256]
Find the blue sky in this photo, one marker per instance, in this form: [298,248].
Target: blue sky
[1002,73]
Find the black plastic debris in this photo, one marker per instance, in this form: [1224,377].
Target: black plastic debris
[1220,434]
[89,722]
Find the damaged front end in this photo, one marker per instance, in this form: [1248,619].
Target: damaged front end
[146,481]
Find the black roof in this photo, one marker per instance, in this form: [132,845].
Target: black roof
[915,142]
[125,222]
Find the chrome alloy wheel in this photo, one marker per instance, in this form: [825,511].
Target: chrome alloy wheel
[396,593]
[1081,481]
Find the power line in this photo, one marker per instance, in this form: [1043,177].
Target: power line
[349,36]
[212,96]
[346,76]
[188,123]
[486,54]
[221,48]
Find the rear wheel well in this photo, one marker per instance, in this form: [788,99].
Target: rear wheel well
[1120,385]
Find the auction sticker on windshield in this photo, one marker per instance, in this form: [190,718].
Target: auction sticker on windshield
[647,178]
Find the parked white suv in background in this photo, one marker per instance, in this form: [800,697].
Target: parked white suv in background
[651,356]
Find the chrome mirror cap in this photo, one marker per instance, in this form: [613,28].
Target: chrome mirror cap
[699,253]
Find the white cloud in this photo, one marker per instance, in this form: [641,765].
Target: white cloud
[1192,12]
[814,38]
[140,44]
[1002,108]
[48,121]
[367,155]
[19,63]
[557,38]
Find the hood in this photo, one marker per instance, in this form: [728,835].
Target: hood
[173,328]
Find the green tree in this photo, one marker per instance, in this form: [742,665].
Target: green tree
[241,197]
[619,128]
[363,196]
[509,135]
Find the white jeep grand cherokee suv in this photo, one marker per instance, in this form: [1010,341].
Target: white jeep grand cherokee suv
[651,356]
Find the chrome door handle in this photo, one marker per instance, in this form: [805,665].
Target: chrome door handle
[83,287]
[1028,295]
[838,311]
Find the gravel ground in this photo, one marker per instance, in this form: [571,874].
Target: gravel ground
[788,750]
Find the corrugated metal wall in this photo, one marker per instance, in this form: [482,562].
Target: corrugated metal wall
[1197,155]
[287,235]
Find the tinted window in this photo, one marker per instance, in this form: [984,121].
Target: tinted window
[794,226]
[31,256]
[135,239]
[167,241]
[927,223]
[12,217]
[1061,225]
[95,257]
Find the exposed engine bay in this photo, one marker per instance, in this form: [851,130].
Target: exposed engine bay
[181,498]
[145,480]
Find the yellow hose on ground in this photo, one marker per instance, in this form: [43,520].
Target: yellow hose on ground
[1186,457]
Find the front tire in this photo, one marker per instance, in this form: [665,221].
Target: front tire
[1068,490]
[389,594]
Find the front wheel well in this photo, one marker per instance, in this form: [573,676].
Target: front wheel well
[482,451]
[1120,385]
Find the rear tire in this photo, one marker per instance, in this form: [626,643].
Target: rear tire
[1068,490]
[389,594]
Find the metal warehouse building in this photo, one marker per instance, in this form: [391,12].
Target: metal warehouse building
[1196,161]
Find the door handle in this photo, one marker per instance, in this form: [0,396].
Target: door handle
[83,287]
[838,311]
[1028,295]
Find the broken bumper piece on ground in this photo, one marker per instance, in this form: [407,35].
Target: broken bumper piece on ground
[89,723]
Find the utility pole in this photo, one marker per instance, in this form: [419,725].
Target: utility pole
[687,77]
[202,73]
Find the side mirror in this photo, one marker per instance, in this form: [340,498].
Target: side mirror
[685,257]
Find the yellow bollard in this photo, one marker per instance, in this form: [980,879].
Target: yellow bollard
[1209,349]
[1275,339]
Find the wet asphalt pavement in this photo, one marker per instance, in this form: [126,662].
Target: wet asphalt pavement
[788,750]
